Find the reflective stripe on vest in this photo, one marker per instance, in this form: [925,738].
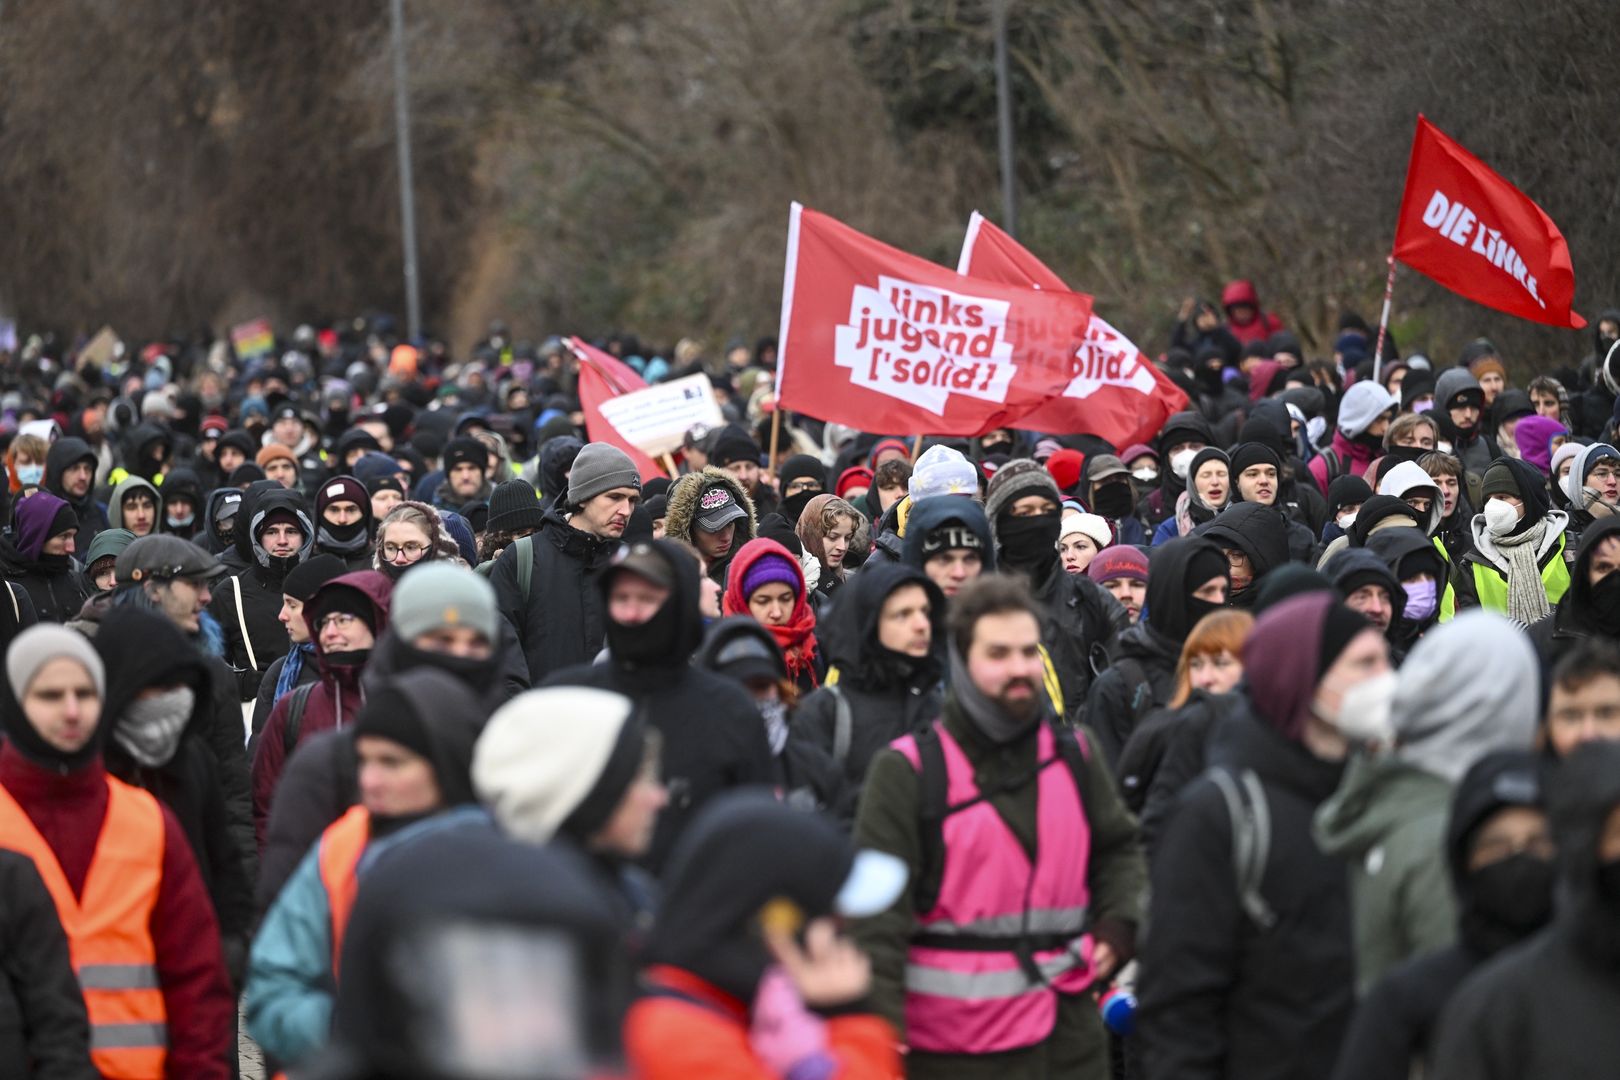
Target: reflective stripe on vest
[978,996]
[108,927]
[342,844]
[1491,584]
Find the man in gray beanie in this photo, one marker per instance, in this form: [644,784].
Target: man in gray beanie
[545,584]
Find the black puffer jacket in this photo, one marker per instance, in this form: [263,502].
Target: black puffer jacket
[562,621]
[142,650]
[714,738]
[44,1030]
[888,695]
[260,587]
[1220,997]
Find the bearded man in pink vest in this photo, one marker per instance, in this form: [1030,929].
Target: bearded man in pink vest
[1027,875]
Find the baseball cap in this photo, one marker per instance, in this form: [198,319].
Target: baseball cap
[642,561]
[161,557]
[717,508]
[1106,465]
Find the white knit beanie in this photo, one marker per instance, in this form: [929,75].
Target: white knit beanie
[542,753]
[39,645]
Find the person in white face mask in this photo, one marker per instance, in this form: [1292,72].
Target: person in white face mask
[1517,567]
[1242,895]
[1388,818]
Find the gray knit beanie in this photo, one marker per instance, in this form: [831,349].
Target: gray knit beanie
[1014,480]
[39,645]
[440,594]
[600,467]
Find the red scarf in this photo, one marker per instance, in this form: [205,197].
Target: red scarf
[796,637]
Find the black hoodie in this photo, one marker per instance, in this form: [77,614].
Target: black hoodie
[713,736]
[92,515]
[1181,427]
[887,694]
[143,650]
[1143,675]
[1259,532]
[745,850]
[260,587]
[1547,1008]
[1586,610]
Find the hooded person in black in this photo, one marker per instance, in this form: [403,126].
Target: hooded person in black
[948,538]
[1256,458]
[741,649]
[63,455]
[713,737]
[1081,618]
[1504,894]
[556,459]
[1588,609]
[1143,674]
[884,692]
[158,705]
[1409,554]
[1259,535]
[1368,585]
[183,505]
[1270,424]
[1592,410]
[52,580]
[247,606]
[146,450]
[220,518]
[1547,1008]
[1182,431]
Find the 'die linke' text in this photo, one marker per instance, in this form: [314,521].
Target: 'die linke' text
[1457,223]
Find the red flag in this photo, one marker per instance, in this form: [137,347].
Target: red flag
[1116,393]
[1481,237]
[886,341]
[602,376]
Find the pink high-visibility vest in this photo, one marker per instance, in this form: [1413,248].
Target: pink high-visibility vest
[968,991]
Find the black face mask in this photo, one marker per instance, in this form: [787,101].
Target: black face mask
[1029,543]
[1516,893]
[474,674]
[997,448]
[1198,607]
[793,506]
[1603,604]
[647,643]
[1114,500]
[343,538]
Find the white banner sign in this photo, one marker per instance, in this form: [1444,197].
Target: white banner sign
[654,420]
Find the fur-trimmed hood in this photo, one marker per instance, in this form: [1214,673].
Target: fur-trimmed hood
[683,503]
[444,545]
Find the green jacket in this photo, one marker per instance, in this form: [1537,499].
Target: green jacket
[1388,821]
[888,820]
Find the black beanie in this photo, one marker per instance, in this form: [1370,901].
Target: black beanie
[1250,454]
[345,600]
[1339,628]
[305,579]
[64,521]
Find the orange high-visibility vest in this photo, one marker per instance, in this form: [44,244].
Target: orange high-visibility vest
[342,844]
[109,927]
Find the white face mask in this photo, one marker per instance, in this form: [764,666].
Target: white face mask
[1364,711]
[1146,476]
[1181,461]
[1500,518]
[1346,521]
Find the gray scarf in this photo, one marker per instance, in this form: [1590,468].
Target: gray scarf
[987,717]
[1527,597]
[151,727]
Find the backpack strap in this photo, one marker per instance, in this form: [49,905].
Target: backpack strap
[16,609]
[843,724]
[295,718]
[1250,816]
[525,565]
[1335,466]
[241,622]
[933,788]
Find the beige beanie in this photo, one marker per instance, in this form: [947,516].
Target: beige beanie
[542,754]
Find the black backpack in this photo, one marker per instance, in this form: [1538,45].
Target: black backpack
[295,717]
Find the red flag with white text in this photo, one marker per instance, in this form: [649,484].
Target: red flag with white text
[603,376]
[883,340]
[1117,393]
[1479,236]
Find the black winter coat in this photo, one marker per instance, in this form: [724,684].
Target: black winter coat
[1141,679]
[562,622]
[261,608]
[44,1030]
[1400,1016]
[1079,625]
[57,592]
[318,783]
[1219,996]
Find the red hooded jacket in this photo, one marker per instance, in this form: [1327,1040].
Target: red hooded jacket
[1264,323]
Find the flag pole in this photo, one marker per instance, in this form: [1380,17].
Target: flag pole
[1383,320]
[669,464]
[776,433]
[916,449]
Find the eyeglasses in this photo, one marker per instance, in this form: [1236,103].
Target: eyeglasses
[411,549]
[1602,472]
[342,620]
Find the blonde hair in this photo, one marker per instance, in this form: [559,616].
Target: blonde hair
[1217,632]
[31,446]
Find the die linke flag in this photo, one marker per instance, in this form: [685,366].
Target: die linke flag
[1481,237]
[1116,392]
[603,376]
[883,340]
